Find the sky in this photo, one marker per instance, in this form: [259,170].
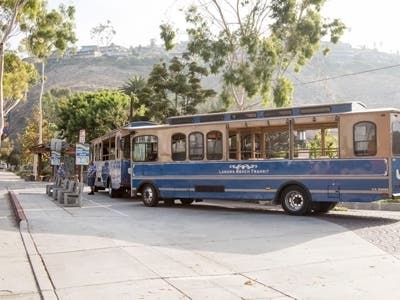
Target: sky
[371,23]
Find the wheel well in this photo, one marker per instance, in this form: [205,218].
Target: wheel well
[277,199]
[140,187]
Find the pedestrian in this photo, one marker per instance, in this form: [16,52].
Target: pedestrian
[91,176]
[61,171]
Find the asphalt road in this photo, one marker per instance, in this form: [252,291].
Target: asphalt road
[117,248]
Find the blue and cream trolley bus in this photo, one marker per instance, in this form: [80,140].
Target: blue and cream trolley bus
[110,154]
[305,158]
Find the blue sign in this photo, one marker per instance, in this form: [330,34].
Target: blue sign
[82,154]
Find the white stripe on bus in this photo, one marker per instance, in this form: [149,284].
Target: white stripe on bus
[341,192]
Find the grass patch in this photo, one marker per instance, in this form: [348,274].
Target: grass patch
[340,208]
[390,201]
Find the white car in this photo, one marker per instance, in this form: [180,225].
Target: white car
[3,165]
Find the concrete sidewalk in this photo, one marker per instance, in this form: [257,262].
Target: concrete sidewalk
[17,280]
[119,249]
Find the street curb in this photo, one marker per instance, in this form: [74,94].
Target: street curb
[45,286]
[384,206]
[17,208]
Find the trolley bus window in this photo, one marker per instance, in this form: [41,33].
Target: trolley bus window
[364,134]
[250,146]
[396,138]
[125,146]
[316,143]
[196,146]
[178,147]
[214,145]
[233,146]
[97,155]
[145,148]
[109,148]
[277,144]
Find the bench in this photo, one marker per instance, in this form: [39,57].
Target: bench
[74,198]
[69,188]
[64,185]
[50,187]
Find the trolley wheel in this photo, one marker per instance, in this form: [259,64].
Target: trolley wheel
[149,195]
[113,193]
[186,201]
[295,201]
[323,207]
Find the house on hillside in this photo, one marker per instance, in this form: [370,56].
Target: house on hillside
[114,50]
[89,51]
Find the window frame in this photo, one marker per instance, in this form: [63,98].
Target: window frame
[370,150]
[214,154]
[395,138]
[148,155]
[178,156]
[195,146]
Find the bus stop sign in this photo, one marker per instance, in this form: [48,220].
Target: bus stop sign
[82,154]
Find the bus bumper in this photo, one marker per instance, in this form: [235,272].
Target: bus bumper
[396,196]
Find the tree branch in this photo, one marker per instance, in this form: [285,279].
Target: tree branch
[12,23]
[7,110]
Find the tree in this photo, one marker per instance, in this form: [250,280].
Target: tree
[53,31]
[15,16]
[103,33]
[29,137]
[132,88]
[172,89]
[50,102]
[96,112]
[18,77]
[253,44]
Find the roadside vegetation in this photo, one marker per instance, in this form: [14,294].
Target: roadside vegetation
[252,53]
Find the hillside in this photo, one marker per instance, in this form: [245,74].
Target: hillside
[374,88]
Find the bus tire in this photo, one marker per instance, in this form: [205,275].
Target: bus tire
[112,192]
[295,200]
[186,201]
[323,207]
[149,195]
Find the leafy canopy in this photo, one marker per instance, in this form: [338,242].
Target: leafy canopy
[18,77]
[253,44]
[96,112]
[15,16]
[171,89]
[53,30]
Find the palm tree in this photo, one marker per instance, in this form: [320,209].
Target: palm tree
[132,88]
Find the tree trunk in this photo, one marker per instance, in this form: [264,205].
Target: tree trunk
[41,105]
[1,90]
[37,164]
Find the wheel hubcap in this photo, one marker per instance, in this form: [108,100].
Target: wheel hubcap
[148,195]
[294,201]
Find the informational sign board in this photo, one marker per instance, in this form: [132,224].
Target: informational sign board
[82,136]
[55,158]
[82,154]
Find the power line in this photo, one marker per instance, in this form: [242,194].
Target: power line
[349,74]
